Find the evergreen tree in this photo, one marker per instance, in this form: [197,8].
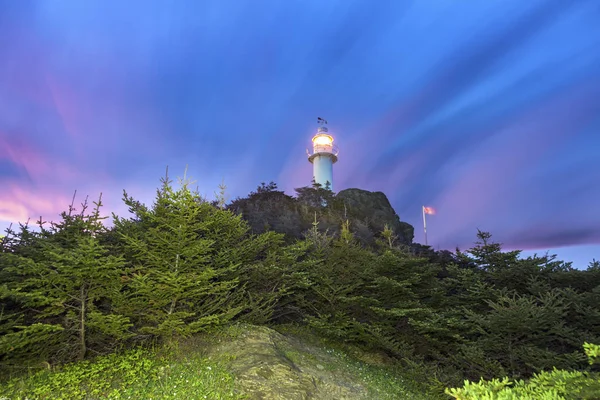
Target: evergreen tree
[406,289]
[66,283]
[331,288]
[315,196]
[183,279]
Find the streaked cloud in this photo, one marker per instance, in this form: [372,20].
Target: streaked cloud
[488,111]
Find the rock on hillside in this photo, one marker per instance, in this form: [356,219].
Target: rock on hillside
[368,213]
[375,208]
[269,365]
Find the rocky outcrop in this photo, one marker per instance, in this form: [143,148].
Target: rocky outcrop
[269,365]
[367,212]
[375,209]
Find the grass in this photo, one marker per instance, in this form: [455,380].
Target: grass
[135,374]
[184,370]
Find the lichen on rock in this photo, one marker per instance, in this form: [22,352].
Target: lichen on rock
[269,365]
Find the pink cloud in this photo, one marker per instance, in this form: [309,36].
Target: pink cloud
[39,166]
[18,204]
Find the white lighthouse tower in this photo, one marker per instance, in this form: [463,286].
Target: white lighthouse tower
[323,155]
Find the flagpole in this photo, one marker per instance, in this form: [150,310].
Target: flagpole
[424,225]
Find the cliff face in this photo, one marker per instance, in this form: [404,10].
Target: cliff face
[368,213]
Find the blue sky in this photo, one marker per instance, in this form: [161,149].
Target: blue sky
[488,111]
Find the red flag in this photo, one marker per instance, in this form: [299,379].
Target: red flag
[428,210]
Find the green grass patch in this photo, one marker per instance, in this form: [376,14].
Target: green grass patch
[188,369]
[135,374]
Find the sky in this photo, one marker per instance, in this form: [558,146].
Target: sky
[488,111]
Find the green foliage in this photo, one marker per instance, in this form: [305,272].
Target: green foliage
[512,316]
[315,196]
[271,187]
[73,288]
[62,284]
[592,351]
[518,331]
[267,208]
[135,374]
[333,277]
[264,277]
[350,293]
[195,265]
[551,385]
[36,339]
[179,282]
[389,236]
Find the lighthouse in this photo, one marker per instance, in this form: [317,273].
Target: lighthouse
[323,155]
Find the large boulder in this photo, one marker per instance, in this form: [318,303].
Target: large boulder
[269,365]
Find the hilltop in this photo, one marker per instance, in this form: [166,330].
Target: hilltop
[368,213]
[341,266]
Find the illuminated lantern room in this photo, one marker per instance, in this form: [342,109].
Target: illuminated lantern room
[323,155]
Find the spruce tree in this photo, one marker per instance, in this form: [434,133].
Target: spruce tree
[331,288]
[182,280]
[67,282]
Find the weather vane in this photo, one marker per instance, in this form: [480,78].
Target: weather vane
[321,121]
